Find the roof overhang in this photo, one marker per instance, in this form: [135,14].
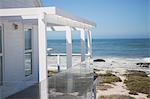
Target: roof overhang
[52,15]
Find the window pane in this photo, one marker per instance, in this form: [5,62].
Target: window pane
[28,64]
[1,70]
[0,39]
[28,42]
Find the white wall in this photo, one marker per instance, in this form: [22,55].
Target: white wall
[14,74]
[18,3]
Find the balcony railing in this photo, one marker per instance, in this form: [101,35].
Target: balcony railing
[73,83]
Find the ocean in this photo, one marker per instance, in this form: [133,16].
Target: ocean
[132,48]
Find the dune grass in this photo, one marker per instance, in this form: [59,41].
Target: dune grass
[116,97]
[138,81]
[108,78]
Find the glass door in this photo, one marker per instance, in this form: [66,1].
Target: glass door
[28,51]
[1,53]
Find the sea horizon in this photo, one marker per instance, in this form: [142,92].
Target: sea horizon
[93,38]
[127,47]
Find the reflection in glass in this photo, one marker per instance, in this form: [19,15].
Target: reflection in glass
[28,44]
[0,39]
[28,52]
[79,78]
[0,55]
[1,70]
[28,64]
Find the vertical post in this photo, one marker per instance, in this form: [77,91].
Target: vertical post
[69,58]
[58,62]
[42,57]
[89,40]
[82,37]
[42,49]
[69,47]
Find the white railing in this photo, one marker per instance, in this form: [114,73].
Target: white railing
[58,62]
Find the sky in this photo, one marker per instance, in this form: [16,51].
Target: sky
[114,18]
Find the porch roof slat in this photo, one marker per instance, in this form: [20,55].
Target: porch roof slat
[59,16]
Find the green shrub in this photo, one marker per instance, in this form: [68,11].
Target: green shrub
[116,97]
[136,73]
[108,78]
[138,82]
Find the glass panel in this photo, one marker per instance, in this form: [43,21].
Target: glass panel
[28,43]
[74,83]
[28,64]
[28,53]
[0,56]
[1,70]
[0,39]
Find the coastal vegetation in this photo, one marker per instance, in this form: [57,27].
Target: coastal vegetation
[108,78]
[138,82]
[116,97]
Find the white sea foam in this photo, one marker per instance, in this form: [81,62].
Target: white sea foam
[147,59]
[112,63]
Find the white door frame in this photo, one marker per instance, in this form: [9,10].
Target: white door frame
[1,55]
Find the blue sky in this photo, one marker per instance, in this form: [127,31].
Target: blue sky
[114,18]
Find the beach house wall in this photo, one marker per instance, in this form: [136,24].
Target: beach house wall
[23,27]
[18,67]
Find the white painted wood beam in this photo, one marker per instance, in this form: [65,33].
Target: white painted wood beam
[89,41]
[59,28]
[42,58]
[42,49]
[52,15]
[43,89]
[82,37]
[56,28]
[69,83]
[27,11]
[69,46]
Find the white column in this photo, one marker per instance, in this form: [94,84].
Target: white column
[42,46]
[69,47]
[82,37]
[69,82]
[69,58]
[42,49]
[89,41]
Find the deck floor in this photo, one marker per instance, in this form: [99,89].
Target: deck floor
[28,93]
[33,92]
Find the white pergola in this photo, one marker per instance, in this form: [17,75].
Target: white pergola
[53,19]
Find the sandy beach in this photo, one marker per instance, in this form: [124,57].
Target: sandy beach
[119,66]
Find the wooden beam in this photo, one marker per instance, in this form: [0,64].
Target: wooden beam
[69,47]
[42,49]
[42,58]
[89,41]
[82,37]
